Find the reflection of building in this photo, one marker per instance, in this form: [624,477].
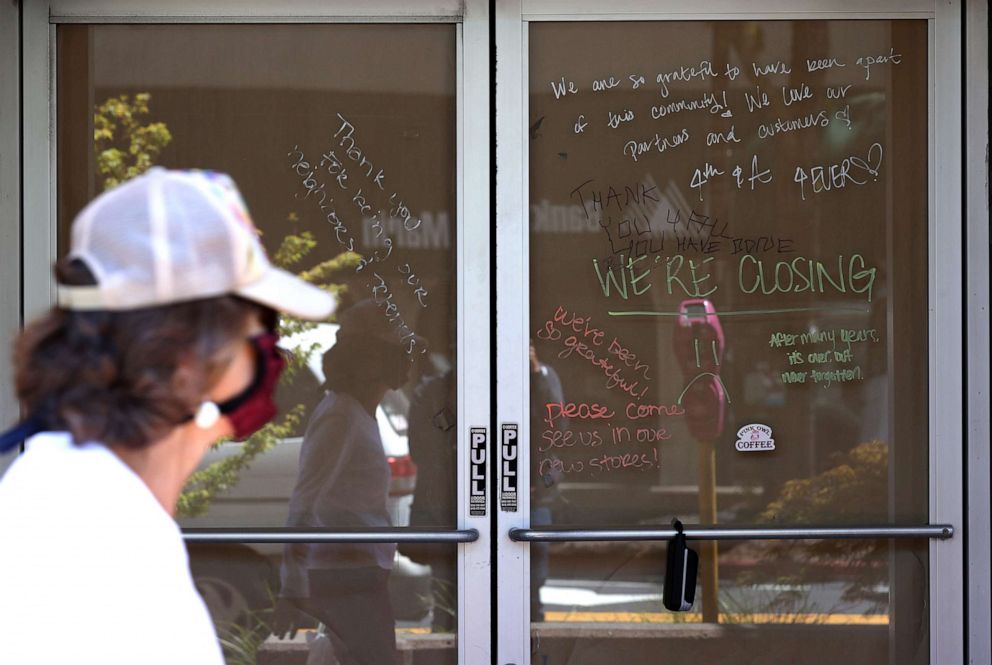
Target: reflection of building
[435,232]
[267,112]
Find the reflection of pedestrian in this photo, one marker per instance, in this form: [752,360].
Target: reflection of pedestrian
[433,447]
[343,483]
[433,441]
[545,388]
[154,353]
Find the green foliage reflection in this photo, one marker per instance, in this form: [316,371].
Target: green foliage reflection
[839,495]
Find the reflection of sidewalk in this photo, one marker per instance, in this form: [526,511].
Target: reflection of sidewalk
[646,643]
[409,641]
[639,602]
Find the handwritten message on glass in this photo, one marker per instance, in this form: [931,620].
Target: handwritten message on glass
[728,225]
[362,189]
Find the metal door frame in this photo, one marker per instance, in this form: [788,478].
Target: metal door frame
[10,207]
[38,171]
[976,183]
[946,388]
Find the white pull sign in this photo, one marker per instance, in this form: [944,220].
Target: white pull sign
[477,472]
[508,469]
[752,438]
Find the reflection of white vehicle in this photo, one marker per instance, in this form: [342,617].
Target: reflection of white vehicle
[237,579]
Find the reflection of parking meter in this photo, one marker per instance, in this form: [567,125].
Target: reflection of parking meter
[698,343]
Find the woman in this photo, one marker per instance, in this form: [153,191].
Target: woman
[343,483]
[162,343]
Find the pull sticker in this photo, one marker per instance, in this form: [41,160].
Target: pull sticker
[477,472]
[508,469]
[752,438]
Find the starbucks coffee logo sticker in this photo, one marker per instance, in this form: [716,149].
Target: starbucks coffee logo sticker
[752,438]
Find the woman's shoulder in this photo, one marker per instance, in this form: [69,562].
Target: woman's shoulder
[79,483]
[51,464]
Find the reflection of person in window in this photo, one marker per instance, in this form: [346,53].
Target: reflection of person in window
[434,449]
[343,483]
[545,388]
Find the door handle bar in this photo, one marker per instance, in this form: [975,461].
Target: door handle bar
[557,535]
[298,535]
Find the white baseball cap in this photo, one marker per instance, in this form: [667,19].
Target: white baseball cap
[172,236]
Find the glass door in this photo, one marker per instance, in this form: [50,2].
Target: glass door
[731,260]
[347,135]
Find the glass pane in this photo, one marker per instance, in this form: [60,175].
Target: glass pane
[342,140]
[809,603]
[362,613]
[347,165]
[728,269]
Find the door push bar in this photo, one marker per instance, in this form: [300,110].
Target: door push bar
[289,535]
[557,535]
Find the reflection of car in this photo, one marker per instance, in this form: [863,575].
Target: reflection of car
[236,580]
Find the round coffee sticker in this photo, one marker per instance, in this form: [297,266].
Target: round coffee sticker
[753,438]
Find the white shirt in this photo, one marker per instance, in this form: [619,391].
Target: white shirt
[92,568]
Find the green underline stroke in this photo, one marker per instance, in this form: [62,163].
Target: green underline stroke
[749,312]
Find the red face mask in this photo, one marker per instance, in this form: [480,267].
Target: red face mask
[250,410]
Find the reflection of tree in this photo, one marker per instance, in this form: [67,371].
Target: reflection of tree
[853,491]
[841,494]
[124,148]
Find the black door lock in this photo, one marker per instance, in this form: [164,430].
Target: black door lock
[680,573]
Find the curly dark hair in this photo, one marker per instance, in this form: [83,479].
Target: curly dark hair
[123,377]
